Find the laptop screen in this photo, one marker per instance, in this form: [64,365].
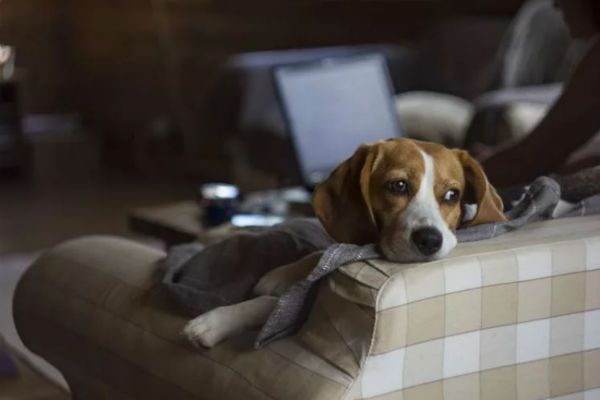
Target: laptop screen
[334,105]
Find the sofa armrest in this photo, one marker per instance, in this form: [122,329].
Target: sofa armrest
[95,309]
[72,296]
[513,317]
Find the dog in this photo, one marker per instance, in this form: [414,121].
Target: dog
[406,196]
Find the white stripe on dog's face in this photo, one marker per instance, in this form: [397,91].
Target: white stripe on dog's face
[423,211]
[426,209]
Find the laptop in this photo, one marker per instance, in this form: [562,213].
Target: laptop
[333,106]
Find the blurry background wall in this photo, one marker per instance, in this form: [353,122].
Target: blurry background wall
[132,68]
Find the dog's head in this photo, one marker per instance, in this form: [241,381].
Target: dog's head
[407,196]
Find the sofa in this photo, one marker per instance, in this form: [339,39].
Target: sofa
[517,316]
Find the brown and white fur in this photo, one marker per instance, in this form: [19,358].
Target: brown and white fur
[405,195]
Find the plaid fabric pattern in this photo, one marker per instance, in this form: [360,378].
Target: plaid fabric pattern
[522,324]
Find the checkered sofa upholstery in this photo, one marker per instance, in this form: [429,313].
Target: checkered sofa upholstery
[516,317]
[515,320]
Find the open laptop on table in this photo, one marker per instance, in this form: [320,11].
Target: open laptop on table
[332,106]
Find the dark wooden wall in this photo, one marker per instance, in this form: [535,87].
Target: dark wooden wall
[126,64]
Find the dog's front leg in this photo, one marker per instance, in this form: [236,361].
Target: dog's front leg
[278,280]
[221,323]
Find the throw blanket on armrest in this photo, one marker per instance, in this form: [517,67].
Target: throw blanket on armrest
[202,278]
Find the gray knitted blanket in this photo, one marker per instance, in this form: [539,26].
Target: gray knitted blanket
[202,278]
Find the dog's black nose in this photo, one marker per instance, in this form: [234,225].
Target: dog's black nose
[428,240]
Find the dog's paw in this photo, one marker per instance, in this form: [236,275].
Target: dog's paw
[206,330]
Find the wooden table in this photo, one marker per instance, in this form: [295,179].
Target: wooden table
[181,222]
[176,223]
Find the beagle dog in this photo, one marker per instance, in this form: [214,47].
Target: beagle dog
[405,195]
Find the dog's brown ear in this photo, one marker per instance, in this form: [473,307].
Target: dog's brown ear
[342,202]
[478,190]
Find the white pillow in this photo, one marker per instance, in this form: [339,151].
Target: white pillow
[434,117]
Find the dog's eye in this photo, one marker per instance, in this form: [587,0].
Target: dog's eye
[399,187]
[451,196]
